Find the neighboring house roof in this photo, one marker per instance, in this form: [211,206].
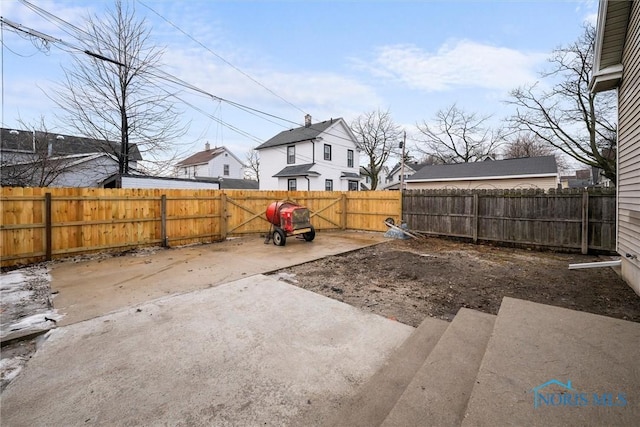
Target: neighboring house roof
[224,183]
[352,175]
[408,166]
[231,183]
[297,170]
[61,145]
[511,168]
[304,133]
[204,157]
[238,184]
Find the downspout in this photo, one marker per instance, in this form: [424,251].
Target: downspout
[308,182]
[617,183]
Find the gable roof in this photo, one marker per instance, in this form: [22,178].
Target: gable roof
[202,157]
[490,169]
[302,133]
[18,140]
[414,166]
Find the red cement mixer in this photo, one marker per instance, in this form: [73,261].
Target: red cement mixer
[288,219]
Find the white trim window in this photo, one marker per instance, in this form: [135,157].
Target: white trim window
[328,185]
[327,152]
[292,184]
[291,154]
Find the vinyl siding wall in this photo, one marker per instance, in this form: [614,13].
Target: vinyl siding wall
[629,154]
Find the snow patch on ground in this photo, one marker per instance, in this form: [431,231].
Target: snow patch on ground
[11,279]
[11,367]
[25,305]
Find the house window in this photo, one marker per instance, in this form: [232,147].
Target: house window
[291,154]
[328,185]
[349,158]
[353,185]
[292,184]
[327,152]
[226,170]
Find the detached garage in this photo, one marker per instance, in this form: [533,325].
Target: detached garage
[530,172]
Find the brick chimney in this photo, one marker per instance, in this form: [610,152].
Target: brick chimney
[307,120]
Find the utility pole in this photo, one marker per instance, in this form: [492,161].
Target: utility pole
[403,144]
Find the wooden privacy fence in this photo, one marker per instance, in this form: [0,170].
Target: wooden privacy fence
[559,219]
[45,223]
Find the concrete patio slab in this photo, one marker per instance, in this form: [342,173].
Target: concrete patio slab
[253,352]
[549,366]
[88,289]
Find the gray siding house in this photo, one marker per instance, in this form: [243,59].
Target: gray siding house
[617,67]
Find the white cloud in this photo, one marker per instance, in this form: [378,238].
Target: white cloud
[457,64]
[592,19]
[313,91]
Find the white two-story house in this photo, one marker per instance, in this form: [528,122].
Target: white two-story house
[316,157]
[215,162]
[394,178]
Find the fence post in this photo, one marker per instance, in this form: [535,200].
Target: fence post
[475,217]
[343,206]
[163,221]
[585,222]
[48,225]
[223,216]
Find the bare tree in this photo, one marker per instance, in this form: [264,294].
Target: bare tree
[456,136]
[253,164]
[28,157]
[112,95]
[528,145]
[568,116]
[378,137]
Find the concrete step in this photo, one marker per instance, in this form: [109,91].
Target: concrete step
[373,401]
[552,366]
[440,390]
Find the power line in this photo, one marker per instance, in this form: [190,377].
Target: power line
[221,58]
[163,75]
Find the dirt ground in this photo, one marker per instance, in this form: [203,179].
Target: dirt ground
[408,280]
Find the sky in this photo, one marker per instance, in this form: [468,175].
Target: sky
[329,59]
